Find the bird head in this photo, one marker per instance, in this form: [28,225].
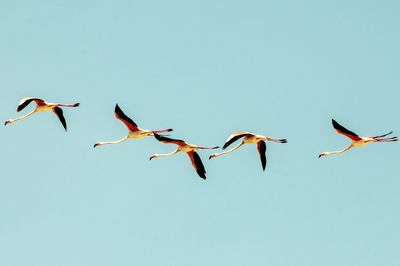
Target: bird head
[322,154]
[95,145]
[153,156]
[7,122]
[212,156]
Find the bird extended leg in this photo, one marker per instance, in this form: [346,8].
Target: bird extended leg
[19,118]
[162,130]
[68,104]
[207,148]
[277,140]
[226,152]
[387,139]
[164,155]
[381,136]
[110,142]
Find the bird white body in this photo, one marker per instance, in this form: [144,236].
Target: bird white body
[188,148]
[251,139]
[45,108]
[139,134]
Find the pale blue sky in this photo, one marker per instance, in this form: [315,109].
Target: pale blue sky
[205,68]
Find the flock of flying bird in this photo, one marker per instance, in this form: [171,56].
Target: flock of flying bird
[135,132]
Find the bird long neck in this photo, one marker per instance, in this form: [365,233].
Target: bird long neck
[229,151]
[22,117]
[112,142]
[341,151]
[166,154]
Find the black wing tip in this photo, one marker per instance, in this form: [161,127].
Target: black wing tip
[337,126]
[118,110]
[64,126]
[77,104]
[202,175]
[161,137]
[158,136]
[20,108]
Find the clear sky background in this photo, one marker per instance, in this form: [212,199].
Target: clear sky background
[205,68]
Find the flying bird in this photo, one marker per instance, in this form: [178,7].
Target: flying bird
[356,141]
[42,106]
[190,149]
[134,132]
[249,138]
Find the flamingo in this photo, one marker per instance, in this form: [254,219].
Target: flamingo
[42,106]
[356,141]
[248,138]
[134,132]
[190,149]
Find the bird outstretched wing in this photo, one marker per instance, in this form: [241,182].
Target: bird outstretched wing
[261,147]
[197,164]
[125,119]
[234,137]
[169,140]
[344,131]
[26,101]
[59,113]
